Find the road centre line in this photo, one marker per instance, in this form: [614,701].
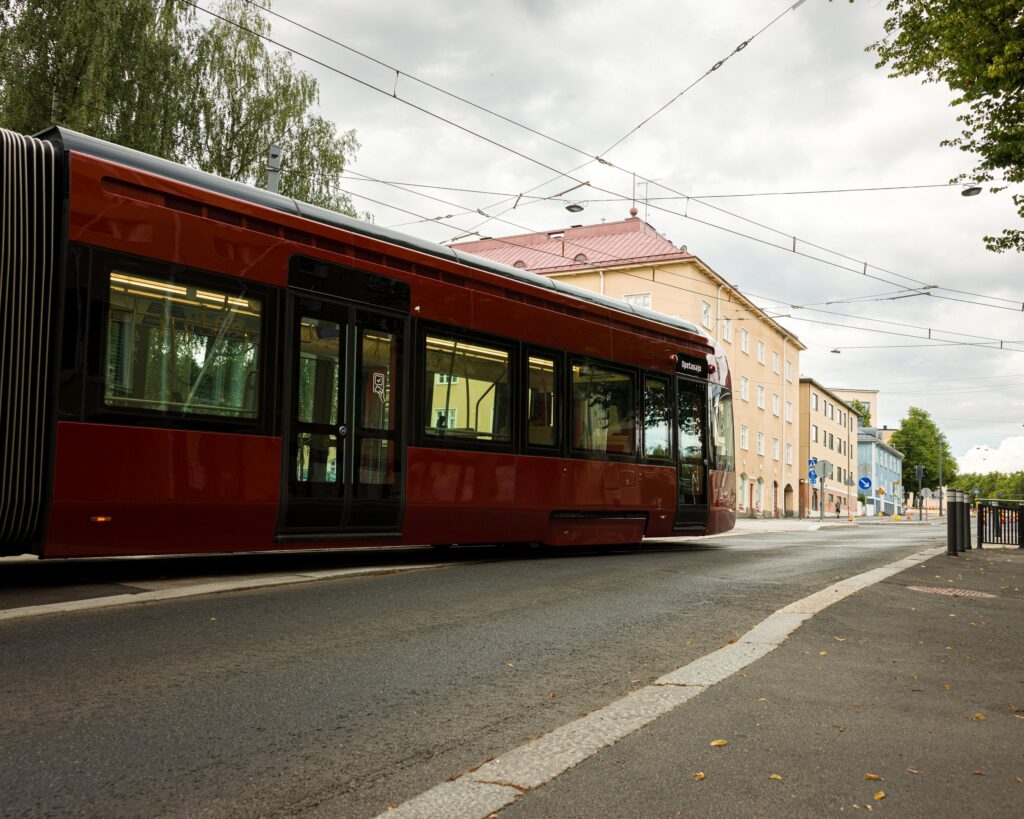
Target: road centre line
[216,587]
[505,779]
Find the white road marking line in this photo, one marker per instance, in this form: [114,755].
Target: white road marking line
[500,782]
[198,589]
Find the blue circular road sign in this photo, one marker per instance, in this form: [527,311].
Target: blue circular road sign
[864,483]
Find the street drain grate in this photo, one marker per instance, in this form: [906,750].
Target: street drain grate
[950,592]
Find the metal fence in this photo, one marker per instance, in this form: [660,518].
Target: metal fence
[1000,522]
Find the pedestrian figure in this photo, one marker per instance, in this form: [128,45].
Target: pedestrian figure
[837,509]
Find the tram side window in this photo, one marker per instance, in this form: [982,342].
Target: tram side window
[722,430]
[657,419]
[542,402]
[467,389]
[603,410]
[182,349]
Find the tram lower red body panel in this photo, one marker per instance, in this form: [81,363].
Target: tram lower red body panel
[132,490]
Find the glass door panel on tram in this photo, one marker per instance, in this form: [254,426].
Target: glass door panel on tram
[691,454]
[343,458]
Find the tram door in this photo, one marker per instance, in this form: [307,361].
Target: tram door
[691,454]
[343,451]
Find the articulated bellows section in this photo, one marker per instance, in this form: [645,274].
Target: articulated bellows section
[28,244]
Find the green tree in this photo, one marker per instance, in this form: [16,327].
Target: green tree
[976,47]
[116,69]
[920,441]
[247,97]
[145,74]
[863,410]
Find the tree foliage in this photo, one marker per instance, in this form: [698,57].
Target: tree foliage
[146,74]
[992,484]
[976,47]
[919,439]
[863,410]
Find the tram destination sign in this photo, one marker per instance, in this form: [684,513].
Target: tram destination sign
[690,365]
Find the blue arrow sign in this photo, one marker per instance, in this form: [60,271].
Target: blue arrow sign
[812,476]
[864,483]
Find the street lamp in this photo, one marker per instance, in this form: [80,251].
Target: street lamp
[971,190]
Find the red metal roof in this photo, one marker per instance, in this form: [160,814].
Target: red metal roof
[630,241]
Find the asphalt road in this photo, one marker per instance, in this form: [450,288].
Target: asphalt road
[342,697]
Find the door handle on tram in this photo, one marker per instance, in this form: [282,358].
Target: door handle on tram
[343,431]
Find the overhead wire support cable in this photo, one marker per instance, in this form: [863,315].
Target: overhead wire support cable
[568,175]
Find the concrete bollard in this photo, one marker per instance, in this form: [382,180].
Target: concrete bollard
[966,520]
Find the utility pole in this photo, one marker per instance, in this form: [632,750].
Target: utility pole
[273,168]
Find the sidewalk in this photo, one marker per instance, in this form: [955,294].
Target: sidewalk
[902,699]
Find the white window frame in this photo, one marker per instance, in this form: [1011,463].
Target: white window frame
[760,443]
[760,397]
[642,300]
[444,379]
[451,416]
[775,362]
[814,400]
[789,454]
[744,437]
[814,433]
[727,329]
[761,348]
[745,341]
[744,388]
[775,404]
[705,314]
[775,448]
[789,370]
[789,412]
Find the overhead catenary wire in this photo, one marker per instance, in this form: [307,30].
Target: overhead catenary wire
[756,310]
[392,93]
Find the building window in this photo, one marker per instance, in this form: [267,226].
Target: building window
[760,397]
[789,370]
[775,362]
[744,388]
[760,443]
[542,403]
[814,433]
[727,329]
[789,411]
[638,300]
[744,437]
[775,449]
[775,404]
[745,341]
[603,418]
[472,402]
[789,454]
[831,442]
[760,352]
[705,314]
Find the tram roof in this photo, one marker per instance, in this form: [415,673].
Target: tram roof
[82,143]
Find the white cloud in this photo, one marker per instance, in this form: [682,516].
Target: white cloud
[1007,457]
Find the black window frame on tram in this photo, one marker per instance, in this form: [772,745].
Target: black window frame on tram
[93,399]
[666,381]
[515,391]
[592,455]
[522,401]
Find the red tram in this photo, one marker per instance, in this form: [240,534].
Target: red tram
[189,364]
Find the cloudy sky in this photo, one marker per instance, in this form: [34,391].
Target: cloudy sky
[801,108]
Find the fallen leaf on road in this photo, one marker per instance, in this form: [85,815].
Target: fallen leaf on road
[510,664]
[880,796]
[1018,779]
[213,619]
[912,770]
[699,775]
[979,717]
[775,777]
[765,699]
[873,777]
[553,694]
[978,773]
[719,743]
[947,686]
[839,639]
[822,653]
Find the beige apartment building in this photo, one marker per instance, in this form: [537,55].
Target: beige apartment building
[631,261]
[828,433]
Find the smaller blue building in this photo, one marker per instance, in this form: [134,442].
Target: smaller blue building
[883,464]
